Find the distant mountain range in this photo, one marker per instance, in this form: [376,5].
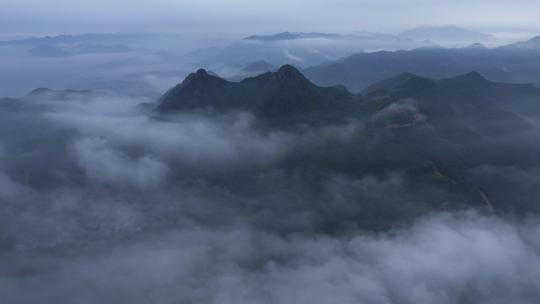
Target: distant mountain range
[518,62]
[132,63]
[75,39]
[292,36]
[437,34]
[46,93]
[445,34]
[41,98]
[96,43]
[532,44]
[305,49]
[57,51]
[299,49]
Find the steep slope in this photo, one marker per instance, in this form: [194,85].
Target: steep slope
[468,112]
[198,90]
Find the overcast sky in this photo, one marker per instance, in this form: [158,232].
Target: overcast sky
[250,16]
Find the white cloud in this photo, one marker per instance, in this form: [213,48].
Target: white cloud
[101,162]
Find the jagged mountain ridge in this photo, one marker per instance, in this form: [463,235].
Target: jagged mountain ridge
[285,93]
[449,115]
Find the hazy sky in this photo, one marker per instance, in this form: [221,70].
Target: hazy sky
[249,16]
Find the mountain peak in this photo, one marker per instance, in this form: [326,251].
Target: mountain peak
[284,95]
[289,73]
[200,75]
[472,76]
[477,46]
[40,91]
[202,72]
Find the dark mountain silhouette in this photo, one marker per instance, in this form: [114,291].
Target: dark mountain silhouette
[454,122]
[273,96]
[468,105]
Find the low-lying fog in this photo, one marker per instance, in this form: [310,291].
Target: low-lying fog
[103,203]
